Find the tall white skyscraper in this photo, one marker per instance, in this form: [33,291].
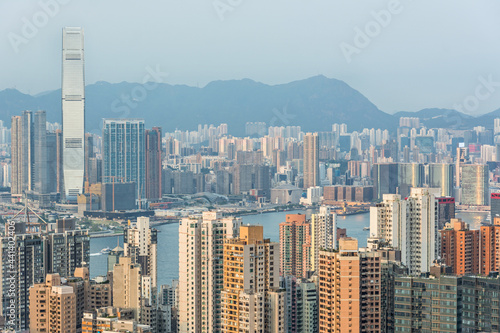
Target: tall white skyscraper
[73,111]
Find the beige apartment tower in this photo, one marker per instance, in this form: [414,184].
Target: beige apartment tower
[251,299]
[52,307]
[201,240]
[311,160]
[127,286]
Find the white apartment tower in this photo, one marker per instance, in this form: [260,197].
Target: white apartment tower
[409,225]
[323,233]
[140,244]
[73,111]
[201,241]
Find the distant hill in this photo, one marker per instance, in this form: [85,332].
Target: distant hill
[314,104]
[439,118]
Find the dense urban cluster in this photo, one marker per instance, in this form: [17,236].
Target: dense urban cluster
[424,268]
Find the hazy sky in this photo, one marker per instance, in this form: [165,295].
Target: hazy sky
[409,56]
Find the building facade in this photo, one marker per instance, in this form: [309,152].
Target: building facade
[73,112]
[124,153]
[295,246]
[311,160]
[252,300]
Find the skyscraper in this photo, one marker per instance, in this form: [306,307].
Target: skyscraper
[127,286]
[385,179]
[410,225]
[153,163]
[460,247]
[251,298]
[53,307]
[41,154]
[17,158]
[28,152]
[311,160]
[73,112]
[441,175]
[490,254]
[323,233]
[475,186]
[340,288]
[140,244]
[201,270]
[295,246]
[124,155]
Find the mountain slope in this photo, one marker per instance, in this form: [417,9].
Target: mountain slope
[315,104]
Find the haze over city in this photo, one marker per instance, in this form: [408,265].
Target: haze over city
[425,54]
[245,166]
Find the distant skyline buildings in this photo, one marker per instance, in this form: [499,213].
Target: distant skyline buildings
[124,153]
[73,112]
[311,160]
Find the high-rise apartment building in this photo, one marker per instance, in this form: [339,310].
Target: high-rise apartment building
[29,260]
[323,233]
[339,288]
[89,154]
[295,246]
[52,307]
[16,132]
[40,148]
[490,252]
[446,304]
[475,185]
[127,286]
[201,253]
[140,244]
[67,251]
[73,112]
[446,210]
[124,155]
[153,163]
[28,151]
[251,298]
[355,287]
[460,247]
[34,255]
[301,305]
[420,244]
[311,160]
[495,205]
[409,225]
[388,220]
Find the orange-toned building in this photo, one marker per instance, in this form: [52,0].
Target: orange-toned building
[460,247]
[52,307]
[490,247]
[350,286]
[295,246]
[339,288]
[252,300]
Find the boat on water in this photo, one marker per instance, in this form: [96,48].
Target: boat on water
[106,250]
[366,228]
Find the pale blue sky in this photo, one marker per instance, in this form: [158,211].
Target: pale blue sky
[428,54]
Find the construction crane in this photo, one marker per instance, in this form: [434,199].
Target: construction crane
[26,210]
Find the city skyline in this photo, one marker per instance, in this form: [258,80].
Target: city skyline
[240,206]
